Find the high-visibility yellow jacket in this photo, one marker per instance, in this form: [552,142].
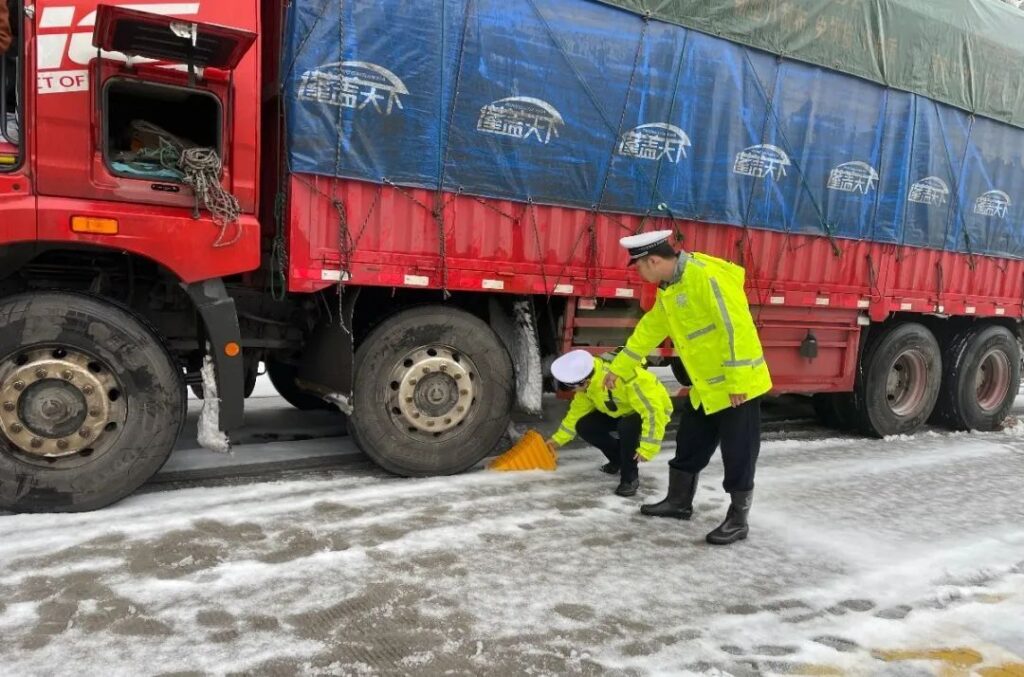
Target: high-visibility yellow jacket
[705,311]
[644,394]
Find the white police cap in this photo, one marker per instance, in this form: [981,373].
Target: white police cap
[573,367]
[640,245]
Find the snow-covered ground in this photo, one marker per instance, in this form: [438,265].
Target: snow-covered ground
[893,557]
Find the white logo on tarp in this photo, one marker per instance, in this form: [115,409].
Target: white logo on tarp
[353,84]
[853,177]
[992,203]
[760,161]
[654,141]
[62,54]
[930,190]
[520,117]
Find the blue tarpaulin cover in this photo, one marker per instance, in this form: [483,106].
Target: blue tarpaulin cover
[578,103]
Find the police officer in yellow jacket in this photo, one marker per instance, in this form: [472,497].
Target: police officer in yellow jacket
[702,306]
[638,411]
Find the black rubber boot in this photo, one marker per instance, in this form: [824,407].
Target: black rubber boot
[734,528]
[610,468]
[682,486]
[627,487]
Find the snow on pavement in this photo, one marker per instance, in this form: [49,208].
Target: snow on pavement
[865,557]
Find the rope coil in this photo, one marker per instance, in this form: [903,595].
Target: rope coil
[199,168]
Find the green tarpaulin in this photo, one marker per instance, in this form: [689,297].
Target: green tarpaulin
[966,53]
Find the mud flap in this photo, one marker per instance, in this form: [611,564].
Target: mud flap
[518,333]
[220,320]
[327,368]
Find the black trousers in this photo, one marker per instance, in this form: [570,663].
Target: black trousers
[597,428]
[737,429]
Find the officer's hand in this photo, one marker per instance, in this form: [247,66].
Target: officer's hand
[638,458]
[737,399]
[610,380]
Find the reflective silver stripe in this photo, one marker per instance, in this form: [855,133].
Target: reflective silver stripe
[565,430]
[716,379]
[725,318]
[700,264]
[630,354]
[650,440]
[647,405]
[700,332]
[745,363]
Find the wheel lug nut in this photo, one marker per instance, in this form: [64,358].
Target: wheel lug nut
[460,409]
[408,400]
[19,385]
[85,432]
[16,428]
[95,413]
[463,392]
[36,443]
[426,370]
[458,377]
[62,444]
[66,374]
[40,373]
[430,424]
[412,381]
[88,390]
[8,406]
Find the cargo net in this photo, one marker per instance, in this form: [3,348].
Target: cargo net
[156,153]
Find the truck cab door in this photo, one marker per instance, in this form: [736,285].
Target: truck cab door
[177,74]
[180,64]
[17,202]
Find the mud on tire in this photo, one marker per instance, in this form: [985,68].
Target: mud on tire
[146,407]
[433,392]
[899,381]
[980,379]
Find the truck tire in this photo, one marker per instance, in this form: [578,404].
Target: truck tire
[899,381]
[91,402]
[433,392]
[835,410]
[980,379]
[250,384]
[282,377]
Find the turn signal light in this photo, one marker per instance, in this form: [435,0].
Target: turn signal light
[94,226]
[232,349]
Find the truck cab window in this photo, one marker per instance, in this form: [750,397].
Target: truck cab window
[11,48]
[146,126]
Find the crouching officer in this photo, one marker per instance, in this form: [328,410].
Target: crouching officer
[638,411]
[701,305]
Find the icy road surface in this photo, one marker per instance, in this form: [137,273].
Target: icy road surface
[893,557]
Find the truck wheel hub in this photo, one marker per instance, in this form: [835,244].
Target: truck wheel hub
[432,391]
[52,408]
[906,383]
[56,403]
[992,380]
